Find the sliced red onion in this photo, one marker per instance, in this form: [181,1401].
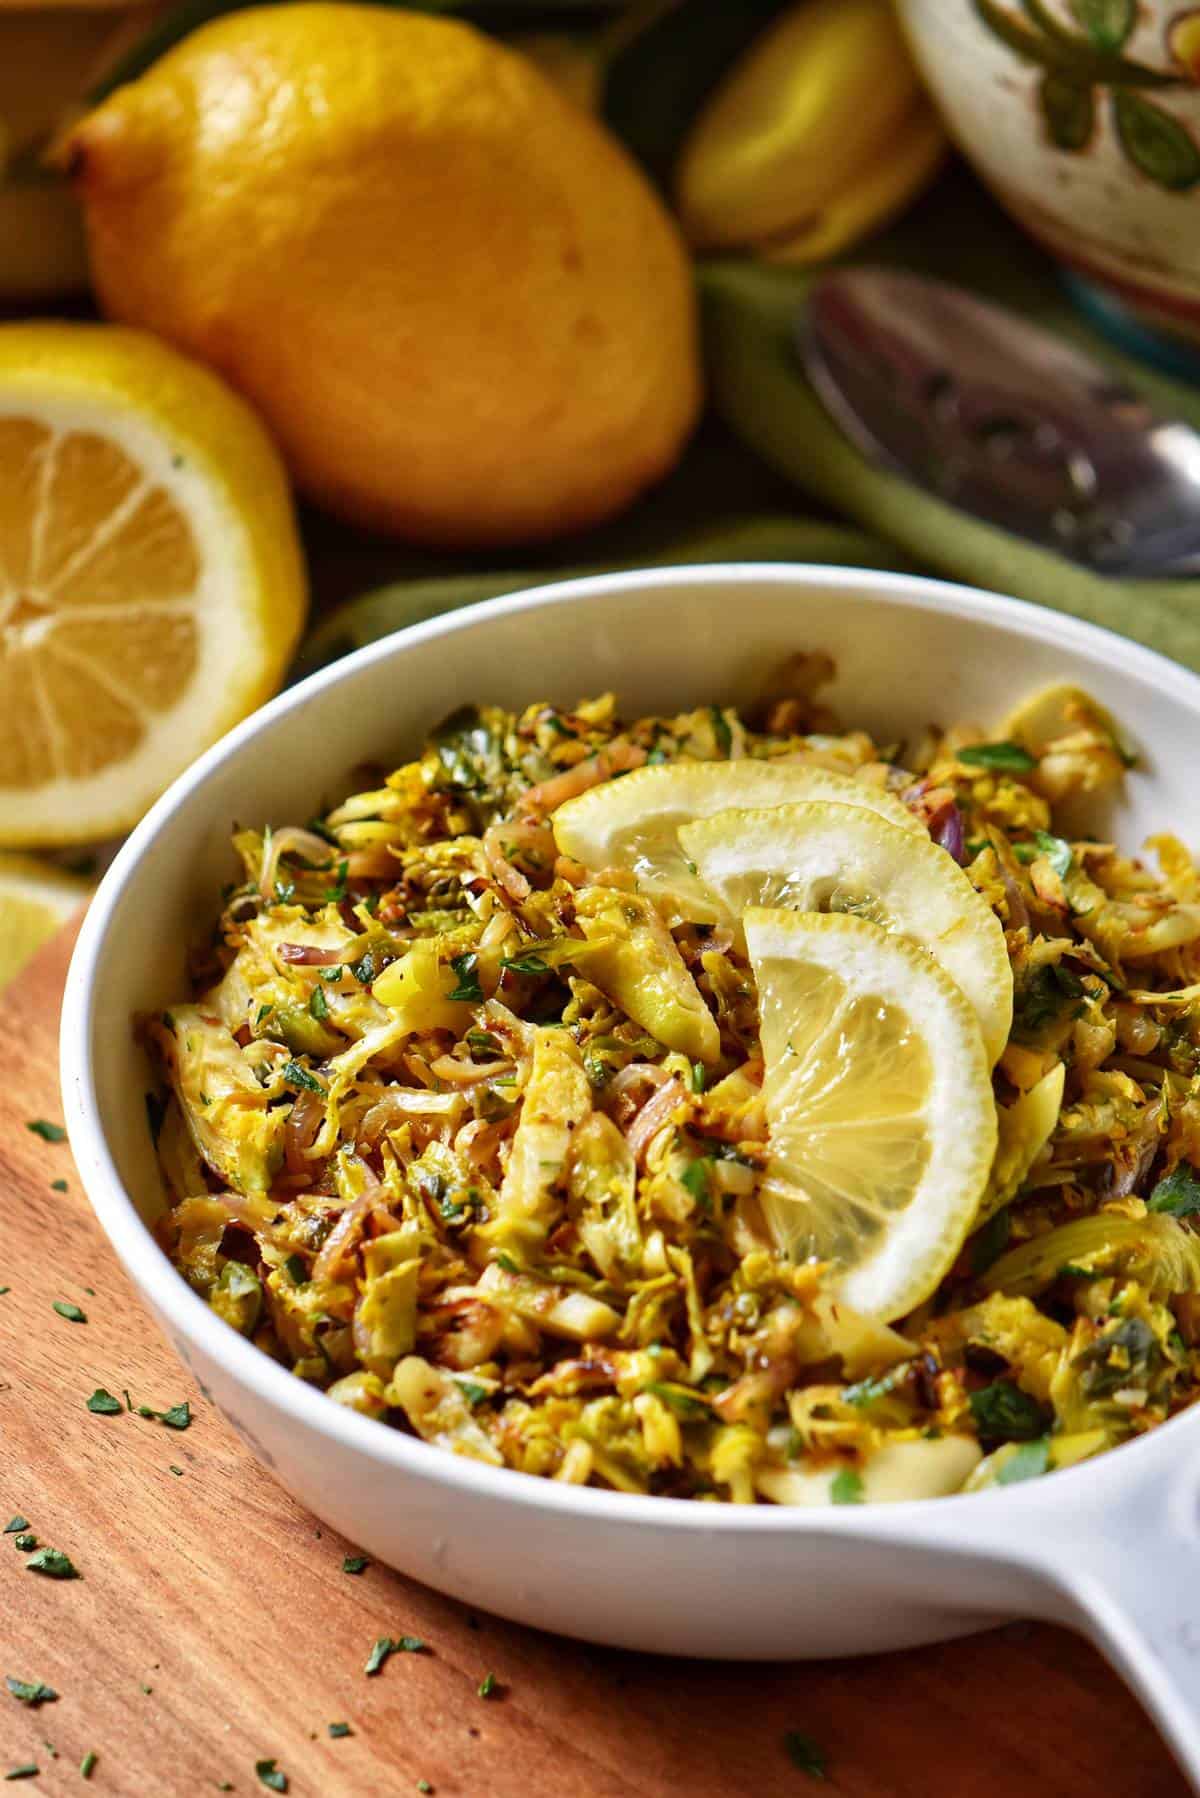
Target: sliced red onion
[948,831]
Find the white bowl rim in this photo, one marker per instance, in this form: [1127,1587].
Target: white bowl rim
[155,1276]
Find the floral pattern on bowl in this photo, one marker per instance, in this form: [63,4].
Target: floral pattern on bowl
[1084,118]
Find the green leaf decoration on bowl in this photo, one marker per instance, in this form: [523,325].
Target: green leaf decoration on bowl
[1155,142]
[1068,107]
[1108,23]
[1075,64]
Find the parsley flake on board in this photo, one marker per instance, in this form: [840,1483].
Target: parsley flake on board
[380,1651]
[47,1131]
[805,1754]
[58,1186]
[70,1311]
[53,1564]
[88,1763]
[271,1776]
[14,1526]
[24,1543]
[354,1563]
[27,1770]
[31,1692]
[337,1730]
[488,1686]
[104,1404]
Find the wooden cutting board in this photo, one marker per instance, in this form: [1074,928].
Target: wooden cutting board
[213,1625]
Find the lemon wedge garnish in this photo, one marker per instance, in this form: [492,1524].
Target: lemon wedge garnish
[882,1124]
[151,587]
[35,899]
[633,822]
[822,857]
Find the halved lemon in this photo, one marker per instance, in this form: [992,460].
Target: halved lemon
[882,1124]
[633,822]
[823,857]
[151,582]
[35,899]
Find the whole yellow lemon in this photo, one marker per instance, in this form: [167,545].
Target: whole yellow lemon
[454,298]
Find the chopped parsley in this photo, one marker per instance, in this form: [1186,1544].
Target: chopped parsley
[1003,758]
[295,1075]
[1177,1193]
[31,1692]
[337,1730]
[297,1270]
[104,1404]
[489,1685]
[466,968]
[47,1131]
[88,1764]
[721,730]
[410,1645]
[25,1543]
[337,892]
[53,1563]
[58,1186]
[71,1312]
[178,1417]
[271,1776]
[525,964]
[1003,1413]
[805,1754]
[355,1563]
[471,1390]
[699,1076]
[14,1526]
[365,968]
[695,1178]
[318,1004]
[177,1471]
[378,1655]
[507,1263]
[846,1487]
[27,1770]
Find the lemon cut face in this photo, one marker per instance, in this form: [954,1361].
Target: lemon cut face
[882,1123]
[151,587]
[822,857]
[634,822]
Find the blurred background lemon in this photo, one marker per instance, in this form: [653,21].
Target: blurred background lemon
[432,263]
[455,299]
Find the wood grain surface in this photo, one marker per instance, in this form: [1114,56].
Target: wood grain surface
[213,1625]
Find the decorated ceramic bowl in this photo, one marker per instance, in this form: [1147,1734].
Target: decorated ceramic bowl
[1083,116]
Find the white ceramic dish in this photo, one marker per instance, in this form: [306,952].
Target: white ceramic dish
[1110,1547]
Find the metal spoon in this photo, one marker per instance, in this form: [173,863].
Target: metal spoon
[999,418]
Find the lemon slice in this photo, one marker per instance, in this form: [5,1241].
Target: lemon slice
[35,899]
[838,858]
[882,1124]
[633,822]
[151,587]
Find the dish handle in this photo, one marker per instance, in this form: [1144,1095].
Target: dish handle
[1115,1549]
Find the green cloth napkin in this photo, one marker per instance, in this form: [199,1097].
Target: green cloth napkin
[771,478]
[759,387]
